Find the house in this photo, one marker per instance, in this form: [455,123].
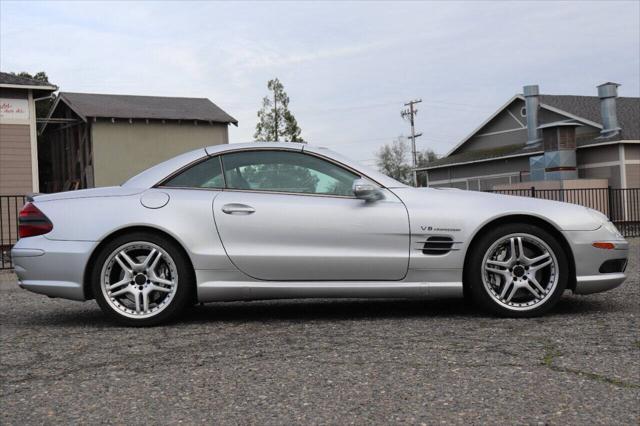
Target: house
[535,139]
[18,132]
[91,140]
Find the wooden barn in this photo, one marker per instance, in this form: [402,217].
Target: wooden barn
[91,140]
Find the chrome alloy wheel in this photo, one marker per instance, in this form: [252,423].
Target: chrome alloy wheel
[139,279]
[520,271]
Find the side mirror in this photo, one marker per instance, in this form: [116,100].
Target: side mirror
[365,190]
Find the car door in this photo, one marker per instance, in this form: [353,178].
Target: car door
[287,215]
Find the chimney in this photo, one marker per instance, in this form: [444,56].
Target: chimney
[608,92]
[532,104]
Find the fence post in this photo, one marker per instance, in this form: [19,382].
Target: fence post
[610,202]
[533,192]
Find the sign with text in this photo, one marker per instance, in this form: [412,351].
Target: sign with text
[14,109]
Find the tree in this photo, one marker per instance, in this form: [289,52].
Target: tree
[393,160]
[43,106]
[425,157]
[275,121]
[40,76]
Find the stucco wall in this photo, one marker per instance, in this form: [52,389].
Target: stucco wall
[120,150]
[597,154]
[612,173]
[632,152]
[633,175]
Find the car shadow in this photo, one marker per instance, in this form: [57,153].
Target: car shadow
[310,310]
[371,309]
[328,309]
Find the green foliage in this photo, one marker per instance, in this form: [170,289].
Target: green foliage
[425,157]
[43,106]
[394,160]
[40,76]
[275,121]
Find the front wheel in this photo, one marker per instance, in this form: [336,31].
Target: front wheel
[517,270]
[142,279]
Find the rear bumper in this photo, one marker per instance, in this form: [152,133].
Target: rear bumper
[589,259]
[52,267]
[598,283]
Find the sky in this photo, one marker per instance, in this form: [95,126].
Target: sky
[348,67]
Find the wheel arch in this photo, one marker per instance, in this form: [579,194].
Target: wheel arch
[89,269]
[526,219]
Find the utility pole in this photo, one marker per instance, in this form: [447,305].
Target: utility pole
[409,114]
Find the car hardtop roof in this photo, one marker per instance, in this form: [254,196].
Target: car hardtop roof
[151,176]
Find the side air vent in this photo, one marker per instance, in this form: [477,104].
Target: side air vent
[438,245]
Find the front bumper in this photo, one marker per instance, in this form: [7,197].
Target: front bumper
[52,267]
[589,259]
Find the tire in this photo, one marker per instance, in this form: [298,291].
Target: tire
[142,279]
[504,282]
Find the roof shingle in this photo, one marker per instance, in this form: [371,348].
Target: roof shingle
[145,107]
[628,111]
[8,78]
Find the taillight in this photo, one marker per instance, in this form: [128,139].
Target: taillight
[32,221]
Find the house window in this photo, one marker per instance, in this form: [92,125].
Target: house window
[523,111]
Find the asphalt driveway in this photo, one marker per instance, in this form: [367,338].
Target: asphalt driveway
[338,362]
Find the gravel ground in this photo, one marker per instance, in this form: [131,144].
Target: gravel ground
[324,361]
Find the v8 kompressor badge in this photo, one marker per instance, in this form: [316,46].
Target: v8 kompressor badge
[431,228]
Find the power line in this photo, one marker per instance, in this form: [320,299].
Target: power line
[372,106]
[358,141]
[410,114]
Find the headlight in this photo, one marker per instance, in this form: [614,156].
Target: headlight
[612,228]
[606,223]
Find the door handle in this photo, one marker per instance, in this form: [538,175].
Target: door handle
[235,208]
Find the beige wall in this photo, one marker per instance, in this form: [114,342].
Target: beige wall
[18,147]
[632,152]
[120,150]
[597,154]
[15,159]
[633,175]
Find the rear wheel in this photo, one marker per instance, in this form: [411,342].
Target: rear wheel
[517,270]
[142,279]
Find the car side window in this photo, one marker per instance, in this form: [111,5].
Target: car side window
[206,174]
[286,171]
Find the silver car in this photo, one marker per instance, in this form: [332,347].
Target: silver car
[285,220]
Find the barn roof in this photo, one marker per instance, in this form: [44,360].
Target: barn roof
[145,107]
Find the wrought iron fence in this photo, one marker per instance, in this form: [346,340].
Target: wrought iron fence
[622,206]
[10,206]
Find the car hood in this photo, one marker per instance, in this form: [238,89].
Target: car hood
[108,191]
[482,207]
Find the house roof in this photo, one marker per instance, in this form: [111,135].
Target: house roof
[483,155]
[13,81]
[502,152]
[144,107]
[585,109]
[588,107]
